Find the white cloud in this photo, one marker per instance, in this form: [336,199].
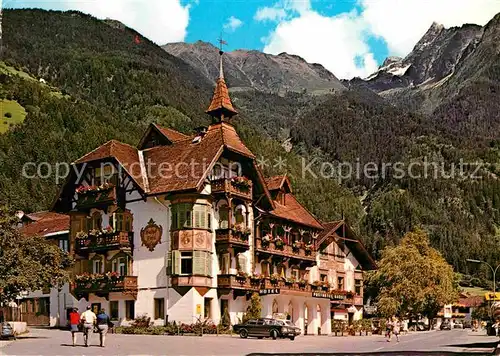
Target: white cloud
[340,42]
[162,21]
[232,24]
[402,23]
[270,14]
[335,42]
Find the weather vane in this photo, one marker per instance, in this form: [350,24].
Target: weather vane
[221,43]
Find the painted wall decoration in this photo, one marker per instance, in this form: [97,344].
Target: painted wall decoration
[151,235]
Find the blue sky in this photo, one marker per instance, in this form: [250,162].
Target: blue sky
[348,37]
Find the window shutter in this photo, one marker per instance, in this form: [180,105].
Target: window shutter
[113,221]
[199,263]
[202,212]
[197,217]
[168,263]
[176,262]
[208,264]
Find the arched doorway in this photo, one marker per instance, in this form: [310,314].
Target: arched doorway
[275,307]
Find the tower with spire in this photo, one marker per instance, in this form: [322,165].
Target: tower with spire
[221,108]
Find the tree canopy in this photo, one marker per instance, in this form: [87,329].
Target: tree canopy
[27,263]
[413,278]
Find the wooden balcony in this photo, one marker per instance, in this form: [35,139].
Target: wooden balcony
[230,281]
[124,284]
[112,241]
[225,238]
[285,250]
[96,198]
[230,186]
[191,281]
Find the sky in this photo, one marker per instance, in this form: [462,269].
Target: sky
[348,37]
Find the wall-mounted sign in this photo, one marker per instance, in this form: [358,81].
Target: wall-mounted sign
[151,235]
[198,308]
[269,291]
[326,295]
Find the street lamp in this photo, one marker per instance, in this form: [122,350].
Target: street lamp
[494,270]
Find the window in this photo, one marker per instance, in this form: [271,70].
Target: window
[189,263]
[97,266]
[121,221]
[186,263]
[358,285]
[264,266]
[129,309]
[159,308]
[206,307]
[64,244]
[113,310]
[119,265]
[186,215]
[340,283]
[324,278]
[295,273]
[224,217]
[239,215]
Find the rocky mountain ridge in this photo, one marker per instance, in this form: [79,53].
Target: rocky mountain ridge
[244,70]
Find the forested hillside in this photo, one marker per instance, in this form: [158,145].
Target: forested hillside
[105,81]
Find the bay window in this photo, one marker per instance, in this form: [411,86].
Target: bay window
[187,215]
[192,263]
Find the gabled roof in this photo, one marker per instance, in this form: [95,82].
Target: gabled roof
[277,182]
[170,136]
[340,232]
[126,155]
[46,223]
[294,211]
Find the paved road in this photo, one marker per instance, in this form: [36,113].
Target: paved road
[56,342]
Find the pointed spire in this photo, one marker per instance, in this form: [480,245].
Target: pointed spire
[221,107]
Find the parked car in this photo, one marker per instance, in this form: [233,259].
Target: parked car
[467,324]
[458,325]
[445,325]
[7,331]
[267,327]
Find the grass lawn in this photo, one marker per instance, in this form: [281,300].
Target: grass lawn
[475,290]
[16,111]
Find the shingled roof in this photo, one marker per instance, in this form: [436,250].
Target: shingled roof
[126,155]
[277,182]
[221,105]
[182,165]
[46,223]
[294,211]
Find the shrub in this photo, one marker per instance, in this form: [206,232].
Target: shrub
[142,321]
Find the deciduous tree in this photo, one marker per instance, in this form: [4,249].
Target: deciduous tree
[413,278]
[27,263]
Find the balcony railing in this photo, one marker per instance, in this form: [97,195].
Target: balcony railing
[95,197]
[233,186]
[301,252]
[231,237]
[120,284]
[111,241]
[230,281]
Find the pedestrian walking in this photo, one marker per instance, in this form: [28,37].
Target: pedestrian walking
[74,321]
[396,328]
[496,326]
[405,326]
[388,329]
[102,325]
[88,318]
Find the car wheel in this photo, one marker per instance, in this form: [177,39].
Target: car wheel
[260,337]
[243,333]
[292,338]
[274,334]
